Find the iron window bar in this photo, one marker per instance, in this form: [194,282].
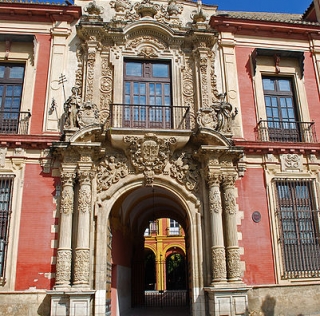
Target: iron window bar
[298,223]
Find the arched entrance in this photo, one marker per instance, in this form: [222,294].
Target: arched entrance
[135,269]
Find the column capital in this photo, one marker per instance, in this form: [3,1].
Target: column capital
[228,180]
[213,178]
[67,177]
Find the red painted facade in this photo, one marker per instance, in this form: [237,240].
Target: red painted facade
[36,248]
[256,237]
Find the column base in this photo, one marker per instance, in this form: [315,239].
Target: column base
[71,302]
[227,299]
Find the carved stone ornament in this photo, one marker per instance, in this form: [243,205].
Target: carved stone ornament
[215,199]
[291,162]
[219,270]
[84,200]
[207,118]
[110,171]
[81,266]
[149,154]
[93,9]
[233,263]
[88,114]
[63,272]
[218,116]
[120,5]
[3,152]
[146,8]
[186,171]
[67,201]
[128,12]
[230,202]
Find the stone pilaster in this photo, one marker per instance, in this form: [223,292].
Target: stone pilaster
[82,252]
[232,247]
[217,250]
[64,254]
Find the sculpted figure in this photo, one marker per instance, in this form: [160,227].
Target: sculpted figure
[71,107]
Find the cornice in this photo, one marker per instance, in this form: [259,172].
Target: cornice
[256,147]
[28,141]
[38,12]
[268,28]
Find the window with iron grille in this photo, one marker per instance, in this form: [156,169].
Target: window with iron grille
[147,94]
[5,212]
[11,81]
[298,221]
[282,122]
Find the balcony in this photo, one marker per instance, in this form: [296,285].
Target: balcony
[14,122]
[286,131]
[150,117]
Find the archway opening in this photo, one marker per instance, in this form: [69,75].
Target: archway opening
[149,251]
[176,272]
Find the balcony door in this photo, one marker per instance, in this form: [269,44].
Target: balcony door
[281,109]
[11,80]
[147,94]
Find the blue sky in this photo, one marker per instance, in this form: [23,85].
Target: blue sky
[279,6]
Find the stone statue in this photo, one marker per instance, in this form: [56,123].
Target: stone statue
[71,107]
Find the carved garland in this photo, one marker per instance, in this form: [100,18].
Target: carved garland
[106,84]
[90,72]
[188,91]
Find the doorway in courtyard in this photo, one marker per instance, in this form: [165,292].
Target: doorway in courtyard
[149,251]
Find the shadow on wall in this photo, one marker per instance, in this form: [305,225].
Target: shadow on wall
[268,306]
[44,307]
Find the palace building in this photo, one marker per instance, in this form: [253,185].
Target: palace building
[158,154]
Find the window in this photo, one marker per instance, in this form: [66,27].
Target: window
[147,94]
[11,83]
[280,105]
[5,211]
[298,227]
[152,228]
[174,228]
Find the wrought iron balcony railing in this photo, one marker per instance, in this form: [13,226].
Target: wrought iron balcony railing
[150,116]
[14,122]
[286,131]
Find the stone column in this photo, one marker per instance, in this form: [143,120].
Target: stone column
[229,203]
[217,250]
[82,252]
[64,254]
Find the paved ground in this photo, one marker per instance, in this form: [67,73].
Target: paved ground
[157,311]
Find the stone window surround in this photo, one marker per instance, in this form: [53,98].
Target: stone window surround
[22,52]
[289,67]
[275,234]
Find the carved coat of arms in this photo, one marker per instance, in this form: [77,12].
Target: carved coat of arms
[149,154]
